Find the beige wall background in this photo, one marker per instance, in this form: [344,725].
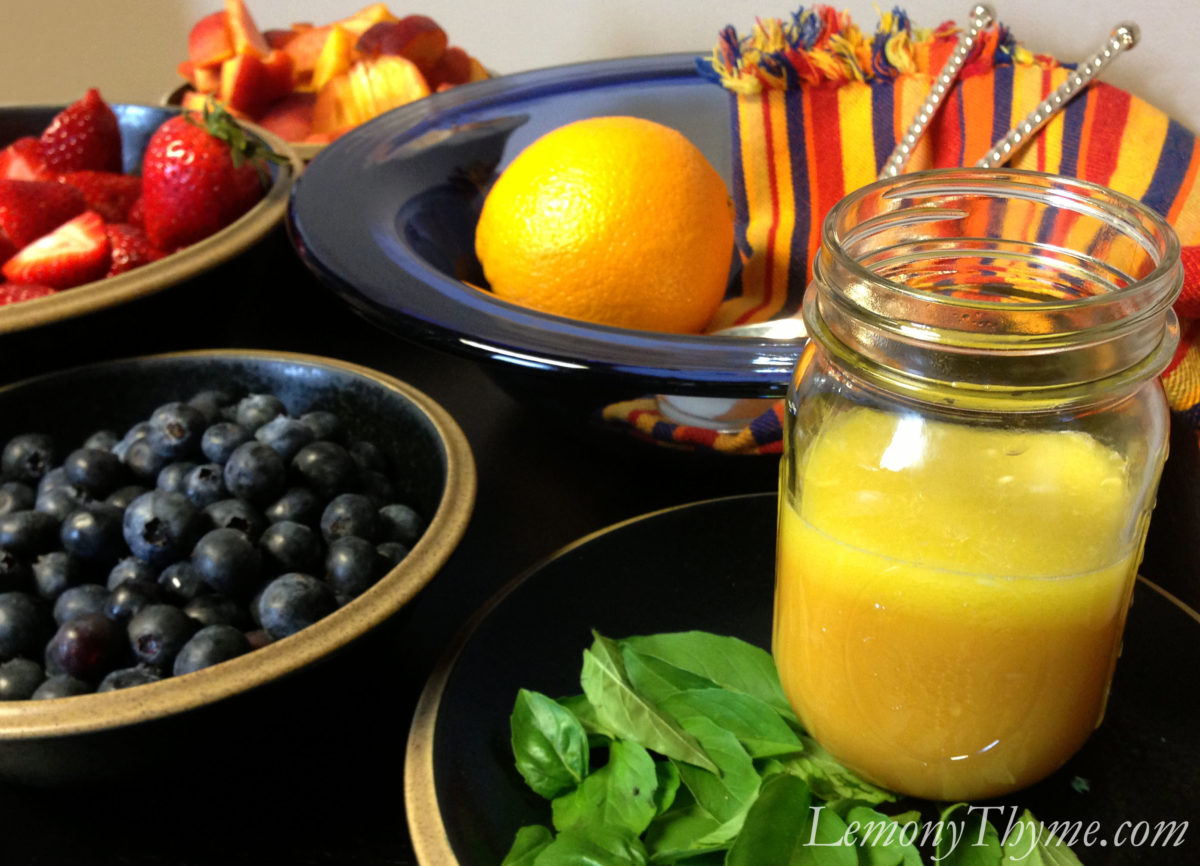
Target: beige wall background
[52,50]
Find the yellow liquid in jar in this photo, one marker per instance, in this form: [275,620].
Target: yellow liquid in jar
[949,600]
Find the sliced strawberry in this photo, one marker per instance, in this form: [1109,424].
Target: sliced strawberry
[31,208]
[24,160]
[76,252]
[130,248]
[84,135]
[11,293]
[108,193]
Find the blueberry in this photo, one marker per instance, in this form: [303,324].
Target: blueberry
[293,601]
[398,522]
[352,565]
[209,646]
[25,624]
[257,409]
[237,514]
[173,476]
[105,440]
[286,435]
[57,571]
[131,568]
[375,486]
[95,470]
[175,430]
[367,456]
[181,581]
[349,514]
[19,679]
[130,597]
[138,431]
[210,403]
[161,527]
[60,686]
[215,609]
[228,562]
[290,546]
[28,531]
[58,502]
[125,495]
[220,440]
[298,504]
[142,460]
[27,457]
[14,573]
[94,534]
[326,467]
[205,485]
[325,425]
[157,632]
[392,553]
[86,647]
[255,472]
[16,496]
[75,601]
[125,678]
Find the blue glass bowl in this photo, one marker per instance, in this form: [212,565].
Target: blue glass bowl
[385,216]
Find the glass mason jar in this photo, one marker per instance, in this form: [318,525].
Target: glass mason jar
[973,441]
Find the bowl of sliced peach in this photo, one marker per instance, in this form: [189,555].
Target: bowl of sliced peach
[309,83]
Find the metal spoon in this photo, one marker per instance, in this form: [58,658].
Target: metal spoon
[730,414]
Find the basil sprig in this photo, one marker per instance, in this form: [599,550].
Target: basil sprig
[705,764]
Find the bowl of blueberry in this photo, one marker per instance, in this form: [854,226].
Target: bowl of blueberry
[178,531]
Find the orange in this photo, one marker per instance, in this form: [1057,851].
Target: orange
[614,220]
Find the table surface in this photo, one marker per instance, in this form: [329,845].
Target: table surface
[334,796]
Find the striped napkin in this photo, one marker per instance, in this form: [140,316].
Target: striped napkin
[817,106]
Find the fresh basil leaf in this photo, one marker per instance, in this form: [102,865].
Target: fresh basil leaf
[621,794]
[727,794]
[729,662]
[630,715]
[593,845]
[683,832]
[549,743]
[829,780]
[527,845]
[657,679]
[581,708]
[881,840]
[966,838]
[755,723]
[668,785]
[1031,843]
[783,828]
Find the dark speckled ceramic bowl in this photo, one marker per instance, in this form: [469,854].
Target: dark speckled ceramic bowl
[94,737]
[138,123]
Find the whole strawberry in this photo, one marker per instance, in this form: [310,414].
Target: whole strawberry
[199,174]
[83,136]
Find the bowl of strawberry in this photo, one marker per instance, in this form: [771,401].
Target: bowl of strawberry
[101,204]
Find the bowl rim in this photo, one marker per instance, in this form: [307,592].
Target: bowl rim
[94,712]
[183,264]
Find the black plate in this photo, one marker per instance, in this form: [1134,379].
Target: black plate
[711,566]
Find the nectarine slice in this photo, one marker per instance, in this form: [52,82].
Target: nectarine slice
[209,42]
[243,32]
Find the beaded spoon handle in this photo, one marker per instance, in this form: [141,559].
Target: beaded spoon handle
[1123,37]
[981,16]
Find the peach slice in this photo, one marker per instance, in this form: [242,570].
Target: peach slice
[417,37]
[364,18]
[335,58]
[369,88]
[304,49]
[243,32]
[290,118]
[209,41]
[249,85]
